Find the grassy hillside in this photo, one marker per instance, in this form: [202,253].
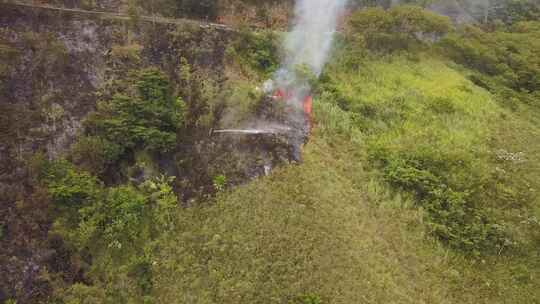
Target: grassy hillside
[419,182]
[328,229]
[334,229]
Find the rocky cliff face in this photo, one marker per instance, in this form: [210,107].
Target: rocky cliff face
[57,61]
[54,67]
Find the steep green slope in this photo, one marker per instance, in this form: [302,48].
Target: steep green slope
[330,230]
[307,230]
[420,191]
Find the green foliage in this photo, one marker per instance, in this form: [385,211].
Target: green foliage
[200,92]
[116,220]
[303,228]
[399,28]
[70,190]
[444,166]
[256,50]
[83,294]
[454,206]
[513,11]
[165,201]
[149,119]
[114,217]
[307,299]
[219,182]
[510,57]
[334,121]
[68,187]
[141,272]
[241,101]
[94,154]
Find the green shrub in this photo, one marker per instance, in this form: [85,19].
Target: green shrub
[307,299]
[450,191]
[94,154]
[509,56]
[257,50]
[79,293]
[399,28]
[140,270]
[114,221]
[67,186]
[164,200]
[219,182]
[149,119]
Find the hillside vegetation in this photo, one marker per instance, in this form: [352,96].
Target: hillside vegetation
[419,182]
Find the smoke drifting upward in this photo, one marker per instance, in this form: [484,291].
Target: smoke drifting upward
[307,47]
[310,40]
[308,44]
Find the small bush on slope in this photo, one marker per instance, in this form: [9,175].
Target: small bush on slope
[148,118]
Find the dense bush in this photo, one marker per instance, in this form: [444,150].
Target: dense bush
[399,28]
[257,50]
[94,154]
[450,191]
[115,220]
[68,187]
[508,56]
[149,118]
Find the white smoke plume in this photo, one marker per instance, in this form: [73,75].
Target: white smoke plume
[309,42]
[307,45]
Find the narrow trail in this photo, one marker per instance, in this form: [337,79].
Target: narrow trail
[118,16]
